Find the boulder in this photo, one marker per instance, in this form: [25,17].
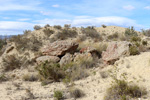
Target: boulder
[41,59]
[66,59]
[60,48]
[114,51]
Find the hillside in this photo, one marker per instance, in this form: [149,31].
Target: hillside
[72,63]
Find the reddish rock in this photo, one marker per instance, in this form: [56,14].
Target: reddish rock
[60,48]
[114,51]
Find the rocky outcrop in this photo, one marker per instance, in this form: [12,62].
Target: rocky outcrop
[47,58]
[114,51]
[66,59]
[60,48]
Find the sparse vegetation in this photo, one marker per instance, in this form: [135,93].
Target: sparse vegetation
[67,25]
[48,32]
[135,39]
[113,36]
[46,26]
[144,42]
[129,32]
[58,95]
[12,62]
[57,27]
[2,44]
[26,32]
[146,32]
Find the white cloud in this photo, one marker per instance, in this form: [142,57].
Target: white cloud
[147,7]
[129,7]
[45,13]
[94,21]
[24,19]
[56,6]
[12,27]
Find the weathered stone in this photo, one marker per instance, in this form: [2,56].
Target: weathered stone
[66,59]
[114,51]
[47,58]
[60,48]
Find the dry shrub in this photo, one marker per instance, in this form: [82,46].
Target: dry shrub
[48,32]
[66,33]
[133,50]
[58,95]
[3,78]
[57,27]
[91,32]
[113,36]
[46,26]
[29,77]
[146,32]
[23,43]
[37,27]
[122,90]
[76,93]
[12,62]
[50,71]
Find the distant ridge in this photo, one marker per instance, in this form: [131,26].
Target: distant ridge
[4,36]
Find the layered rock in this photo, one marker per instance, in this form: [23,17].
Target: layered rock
[60,48]
[115,50]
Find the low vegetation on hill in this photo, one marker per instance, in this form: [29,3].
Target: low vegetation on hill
[68,55]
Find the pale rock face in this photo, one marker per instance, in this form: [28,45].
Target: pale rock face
[115,50]
[66,59]
[60,48]
[47,58]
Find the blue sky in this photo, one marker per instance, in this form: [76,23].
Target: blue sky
[19,15]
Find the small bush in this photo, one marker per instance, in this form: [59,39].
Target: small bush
[2,44]
[57,27]
[133,50]
[113,36]
[129,32]
[46,26]
[48,32]
[67,25]
[144,42]
[12,62]
[58,95]
[91,32]
[146,32]
[66,33]
[135,39]
[50,71]
[3,78]
[104,74]
[26,32]
[29,77]
[121,90]
[104,26]
[37,27]
[76,93]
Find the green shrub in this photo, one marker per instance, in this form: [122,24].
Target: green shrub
[58,95]
[46,26]
[133,50]
[2,44]
[50,71]
[104,26]
[48,32]
[122,90]
[12,62]
[37,27]
[144,42]
[76,93]
[57,27]
[129,32]
[135,39]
